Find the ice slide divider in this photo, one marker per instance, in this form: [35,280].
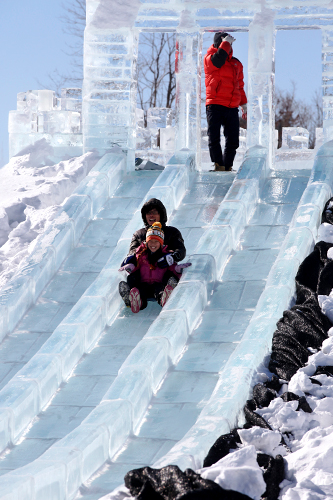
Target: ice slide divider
[82,451]
[54,246]
[73,459]
[235,379]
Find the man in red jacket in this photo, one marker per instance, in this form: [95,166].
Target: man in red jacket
[224,93]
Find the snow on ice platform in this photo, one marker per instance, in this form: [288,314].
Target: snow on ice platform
[88,390]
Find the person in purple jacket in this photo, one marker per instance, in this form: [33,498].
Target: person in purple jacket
[146,279]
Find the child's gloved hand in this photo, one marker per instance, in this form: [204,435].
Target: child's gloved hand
[165,261]
[180,267]
[128,267]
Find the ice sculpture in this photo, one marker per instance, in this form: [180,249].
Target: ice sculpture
[111,52]
[295,138]
[41,115]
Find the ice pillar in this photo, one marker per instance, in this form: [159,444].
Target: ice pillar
[261,78]
[109,87]
[327,81]
[188,81]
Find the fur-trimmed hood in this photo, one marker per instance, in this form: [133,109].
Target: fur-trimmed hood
[149,205]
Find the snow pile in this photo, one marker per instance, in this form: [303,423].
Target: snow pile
[32,189]
[238,471]
[307,436]
[310,467]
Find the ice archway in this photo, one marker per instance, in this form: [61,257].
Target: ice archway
[110,55]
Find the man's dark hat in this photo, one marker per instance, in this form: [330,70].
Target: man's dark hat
[218,37]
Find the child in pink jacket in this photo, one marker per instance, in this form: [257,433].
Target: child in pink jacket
[146,279]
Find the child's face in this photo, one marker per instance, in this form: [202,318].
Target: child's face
[153,245]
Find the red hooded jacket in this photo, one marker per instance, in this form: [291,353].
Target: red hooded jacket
[224,85]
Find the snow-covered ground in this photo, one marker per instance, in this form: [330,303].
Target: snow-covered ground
[32,188]
[309,460]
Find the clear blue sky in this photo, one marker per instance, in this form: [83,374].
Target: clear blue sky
[32,45]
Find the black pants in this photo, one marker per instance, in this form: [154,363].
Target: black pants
[147,290]
[220,116]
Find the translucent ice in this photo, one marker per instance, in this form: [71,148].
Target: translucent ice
[167,138]
[316,193]
[133,384]
[115,416]
[89,312]
[295,138]
[41,115]
[152,353]
[216,241]
[231,214]
[158,117]
[307,216]
[23,403]
[173,326]
[45,371]
[16,298]
[68,343]
[190,296]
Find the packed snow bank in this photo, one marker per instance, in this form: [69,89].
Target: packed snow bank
[32,188]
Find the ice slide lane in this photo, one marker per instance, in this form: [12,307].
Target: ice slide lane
[207,386]
[65,344]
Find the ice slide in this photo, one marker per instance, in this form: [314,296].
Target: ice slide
[88,390]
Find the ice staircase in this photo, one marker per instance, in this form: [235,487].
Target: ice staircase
[88,390]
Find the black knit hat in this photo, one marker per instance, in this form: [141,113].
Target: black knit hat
[218,37]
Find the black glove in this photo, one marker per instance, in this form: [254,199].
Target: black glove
[176,256]
[165,261]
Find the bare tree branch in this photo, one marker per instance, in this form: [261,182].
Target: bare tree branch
[293,112]
[156,71]
[74,21]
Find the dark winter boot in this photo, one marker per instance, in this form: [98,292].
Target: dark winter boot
[172,282]
[124,291]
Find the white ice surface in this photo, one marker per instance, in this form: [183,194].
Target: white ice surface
[32,189]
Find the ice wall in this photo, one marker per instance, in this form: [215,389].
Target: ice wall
[42,115]
[261,81]
[109,87]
